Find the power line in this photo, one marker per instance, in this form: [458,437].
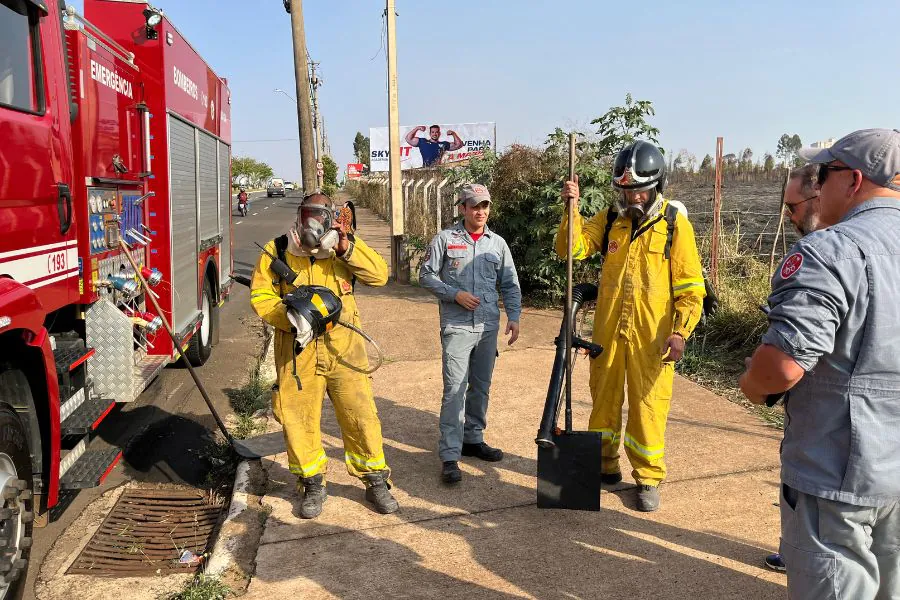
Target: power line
[383,32]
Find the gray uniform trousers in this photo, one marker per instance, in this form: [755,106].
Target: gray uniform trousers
[834,550]
[468,363]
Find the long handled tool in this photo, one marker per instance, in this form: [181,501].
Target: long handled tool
[568,461]
[258,447]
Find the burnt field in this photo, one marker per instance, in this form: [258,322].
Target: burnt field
[749,215]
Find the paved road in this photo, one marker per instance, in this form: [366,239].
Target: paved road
[167,432]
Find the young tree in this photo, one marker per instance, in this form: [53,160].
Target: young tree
[361,149]
[768,162]
[707,163]
[621,125]
[330,170]
[256,171]
[684,161]
[746,160]
[788,147]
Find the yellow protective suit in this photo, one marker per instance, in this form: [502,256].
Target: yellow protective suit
[332,362]
[642,299]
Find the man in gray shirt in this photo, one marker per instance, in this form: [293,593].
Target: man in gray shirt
[834,342]
[463,267]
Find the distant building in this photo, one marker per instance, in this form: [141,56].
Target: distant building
[824,144]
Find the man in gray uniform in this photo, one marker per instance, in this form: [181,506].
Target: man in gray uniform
[463,267]
[834,342]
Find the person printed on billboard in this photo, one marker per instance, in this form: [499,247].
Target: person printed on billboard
[431,147]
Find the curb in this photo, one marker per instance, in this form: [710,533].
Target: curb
[229,539]
[232,535]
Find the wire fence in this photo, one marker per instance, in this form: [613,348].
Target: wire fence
[751,223]
[428,199]
[749,210]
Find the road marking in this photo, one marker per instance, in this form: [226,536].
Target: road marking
[254,214]
[267,208]
[239,222]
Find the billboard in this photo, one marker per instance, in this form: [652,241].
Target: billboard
[432,145]
[354,170]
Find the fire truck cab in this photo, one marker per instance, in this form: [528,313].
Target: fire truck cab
[115,135]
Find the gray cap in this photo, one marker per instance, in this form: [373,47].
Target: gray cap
[875,152]
[473,194]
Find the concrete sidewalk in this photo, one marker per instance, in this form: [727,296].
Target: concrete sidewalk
[485,538]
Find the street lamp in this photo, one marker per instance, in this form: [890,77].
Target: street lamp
[279,90]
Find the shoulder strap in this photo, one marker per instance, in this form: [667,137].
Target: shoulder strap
[671,215]
[611,216]
[281,244]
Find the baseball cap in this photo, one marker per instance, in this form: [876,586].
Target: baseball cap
[875,152]
[473,194]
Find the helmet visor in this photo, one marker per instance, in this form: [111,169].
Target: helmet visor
[323,215]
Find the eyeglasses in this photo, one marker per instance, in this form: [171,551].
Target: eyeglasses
[823,172]
[793,207]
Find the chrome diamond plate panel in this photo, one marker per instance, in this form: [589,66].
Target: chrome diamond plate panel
[109,332]
[146,370]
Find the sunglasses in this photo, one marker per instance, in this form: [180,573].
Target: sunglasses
[823,172]
[793,207]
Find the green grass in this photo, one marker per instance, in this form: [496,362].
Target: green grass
[203,588]
[714,356]
[223,463]
[253,396]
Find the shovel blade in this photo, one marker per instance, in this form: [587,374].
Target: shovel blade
[569,472]
[267,444]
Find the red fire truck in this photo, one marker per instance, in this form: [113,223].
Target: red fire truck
[112,128]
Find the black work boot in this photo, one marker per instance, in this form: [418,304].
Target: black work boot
[450,472]
[378,492]
[647,498]
[482,451]
[314,496]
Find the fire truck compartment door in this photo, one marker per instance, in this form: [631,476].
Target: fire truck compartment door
[225,212]
[183,153]
[209,187]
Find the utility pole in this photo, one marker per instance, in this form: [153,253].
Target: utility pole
[399,269]
[315,83]
[301,70]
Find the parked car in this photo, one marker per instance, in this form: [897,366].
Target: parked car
[289,185]
[275,188]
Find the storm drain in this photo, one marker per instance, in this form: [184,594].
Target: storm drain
[151,531]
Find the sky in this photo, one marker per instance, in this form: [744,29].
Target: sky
[748,72]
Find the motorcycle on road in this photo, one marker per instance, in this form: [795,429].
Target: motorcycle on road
[243,204]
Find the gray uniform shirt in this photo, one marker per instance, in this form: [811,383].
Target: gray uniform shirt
[835,308]
[454,262]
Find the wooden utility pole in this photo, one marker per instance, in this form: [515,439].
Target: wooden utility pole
[315,82]
[304,114]
[717,218]
[399,269]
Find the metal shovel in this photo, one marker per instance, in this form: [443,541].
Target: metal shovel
[569,461]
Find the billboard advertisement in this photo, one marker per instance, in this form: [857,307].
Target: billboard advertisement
[354,170]
[432,144]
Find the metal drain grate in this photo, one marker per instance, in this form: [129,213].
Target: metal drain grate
[148,532]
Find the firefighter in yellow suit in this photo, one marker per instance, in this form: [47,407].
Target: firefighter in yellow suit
[650,299]
[320,251]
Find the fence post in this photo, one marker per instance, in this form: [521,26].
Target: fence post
[406,185]
[717,218]
[428,185]
[779,230]
[440,203]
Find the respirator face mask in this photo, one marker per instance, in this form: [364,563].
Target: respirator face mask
[315,227]
[639,211]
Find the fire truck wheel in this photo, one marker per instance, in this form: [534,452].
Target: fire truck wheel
[201,343]
[16,508]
